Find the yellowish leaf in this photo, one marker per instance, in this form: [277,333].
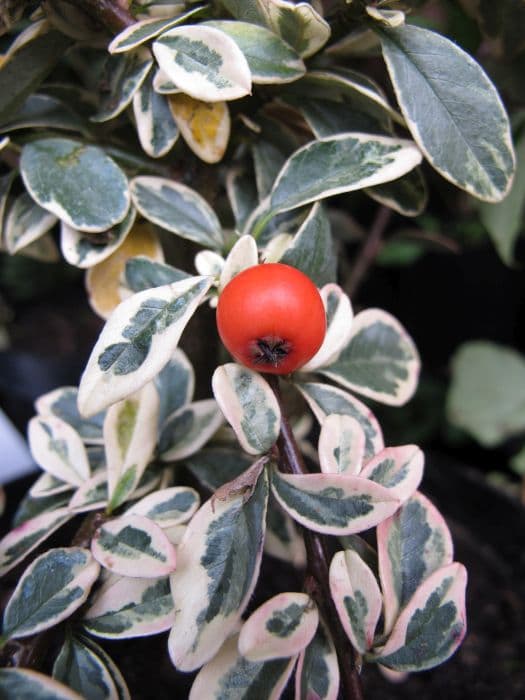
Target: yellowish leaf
[205,126]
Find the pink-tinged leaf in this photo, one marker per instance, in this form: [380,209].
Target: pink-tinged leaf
[58,449]
[62,403]
[399,469]
[317,674]
[134,546]
[324,399]
[229,675]
[357,598]
[391,675]
[92,495]
[48,485]
[130,607]
[283,626]
[53,586]
[23,539]
[333,504]
[130,436]
[218,566]
[411,545]
[168,507]
[431,626]
[341,445]
[379,361]
[339,316]
[24,683]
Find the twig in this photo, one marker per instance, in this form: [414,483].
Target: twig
[291,461]
[369,250]
[110,13]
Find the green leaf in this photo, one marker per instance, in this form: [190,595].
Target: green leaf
[407,195]
[348,162]
[312,249]
[504,221]
[45,111]
[177,208]
[324,400]
[189,429]
[175,385]
[156,128]
[125,607]
[431,626]
[249,405]
[137,342]
[27,69]
[411,545]
[215,466]
[380,360]
[230,675]
[218,566]
[467,113]
[283,626]
[79,667]
[204,63]
[62,403]
[123,76]
[25,223]
[142,273]
[76,182]
[28,534]
[317,674]
[487,394]
[283,539]
[329,504]
[23,684]
[241,194]
[55,585]
[271,60]
[133,546]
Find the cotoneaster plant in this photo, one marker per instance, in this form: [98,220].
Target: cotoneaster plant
[114,117]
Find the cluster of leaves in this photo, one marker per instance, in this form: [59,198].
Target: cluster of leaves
[307,128]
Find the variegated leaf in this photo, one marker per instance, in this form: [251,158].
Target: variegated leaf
[389,18]
[156,127]
[45,111]
[208,262]
[431,626]
[28,534]
[349,161]
[58,449]
[62,579]
[189,429]
[123,76]
[467,112]
[130,607]
[408,195]
[130,436]
[357,598]
[243,255]
[341,445]
[142,31]
[282,627]
[317,674]
[218,560]
[82,669]
[48,485]
[26,221]
[24,683]
[312,248]
[332,504]
[85,251]
[104,280]
[411,545]
[118,679]
[44,249]
[175,385]
[137,342]
[324,400]
[268,159]
[380,360]
[134,546]
[271,60]
[204,63]
[205,126]
[142,273]
[3,142]
[215,466]
[229,675]
[78,183]
[241,194]
[176,208]
[5,187]
[62,403]
[283,539]
[168,507]
[339,317]
[399,469]
[92,495]
[30,507]
[249,405]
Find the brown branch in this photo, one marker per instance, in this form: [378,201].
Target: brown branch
[317,558]
[111,13]
[369,250]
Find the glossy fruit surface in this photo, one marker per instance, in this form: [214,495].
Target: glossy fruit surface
[271,318]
